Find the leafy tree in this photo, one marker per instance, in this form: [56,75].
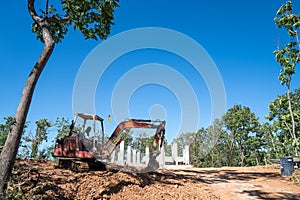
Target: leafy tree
[62,126]
[280,116]
[225,151]
[141,142]
[194,140]
[93,18]
[4,129]
[253,149]
[41,135]
[211,136]
[289,56]
[196,152]
[269,141]
[207,145]
[182,140]
[217,141]
[240,122]
[144,139]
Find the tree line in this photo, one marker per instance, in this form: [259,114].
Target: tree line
[31,145]
[240,138]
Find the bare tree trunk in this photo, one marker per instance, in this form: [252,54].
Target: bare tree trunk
[256,158]
[11,146]
[295,140]
[265,160]
[231,145]
[242,156]
[273,143]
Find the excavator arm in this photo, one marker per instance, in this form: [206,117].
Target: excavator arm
[124,127]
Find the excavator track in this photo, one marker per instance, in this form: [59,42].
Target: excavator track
[81,165]
[74,165]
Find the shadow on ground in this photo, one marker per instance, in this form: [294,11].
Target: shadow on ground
[271,196]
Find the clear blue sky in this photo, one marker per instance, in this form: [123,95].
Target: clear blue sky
[240,37]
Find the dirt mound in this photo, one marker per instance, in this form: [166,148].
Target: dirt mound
[40,179]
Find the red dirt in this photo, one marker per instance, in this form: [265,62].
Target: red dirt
[44,180]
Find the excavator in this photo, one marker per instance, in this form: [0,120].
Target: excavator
[86,146]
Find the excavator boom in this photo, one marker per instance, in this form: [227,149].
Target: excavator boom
[123,129]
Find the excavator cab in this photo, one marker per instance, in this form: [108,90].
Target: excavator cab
[90,130]
[85,140]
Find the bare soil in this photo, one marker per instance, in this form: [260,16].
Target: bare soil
[40,179]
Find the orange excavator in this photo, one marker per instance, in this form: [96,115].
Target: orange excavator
[86,145]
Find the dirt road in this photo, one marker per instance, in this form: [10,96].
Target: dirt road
[44,180]
[247,183]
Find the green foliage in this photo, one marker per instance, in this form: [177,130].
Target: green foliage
[279,111]
[197,153]
[182,140]
[225,152]
[270,142]
[5,128]
[208,146]
[280,117]
[93,18]
[242,125]
[40,135]
[128,140]
[253,150]
[288,57]
[237,139]
[63,127]
[141,142]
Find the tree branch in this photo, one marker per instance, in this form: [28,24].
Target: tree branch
[32,12]
[55,20]
[47,8]
[297,38]
[41,22]
[289,129]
